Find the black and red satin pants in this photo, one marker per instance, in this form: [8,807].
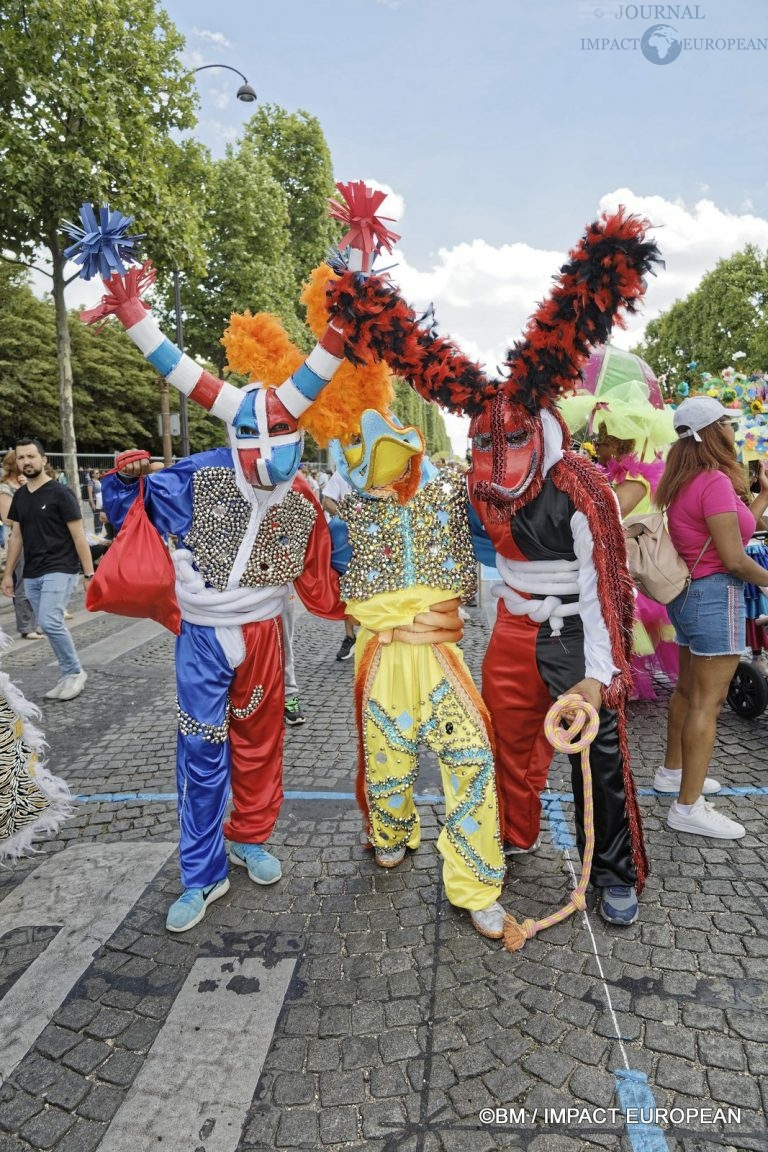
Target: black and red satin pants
[524,670]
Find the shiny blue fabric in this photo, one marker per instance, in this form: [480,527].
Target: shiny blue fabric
[203,768]
[481,541]
[167,494]
[341,549]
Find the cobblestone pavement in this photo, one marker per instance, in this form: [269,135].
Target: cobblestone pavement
[348,1007]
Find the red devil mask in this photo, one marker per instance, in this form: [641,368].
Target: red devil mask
[507,456]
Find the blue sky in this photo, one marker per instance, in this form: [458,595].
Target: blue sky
[501,134]
[487,115]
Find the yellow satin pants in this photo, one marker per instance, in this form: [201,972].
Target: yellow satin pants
[422,694]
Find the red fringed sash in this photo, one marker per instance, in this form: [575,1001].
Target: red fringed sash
[592,496]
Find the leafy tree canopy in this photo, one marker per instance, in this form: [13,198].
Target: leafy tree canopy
[268,225]
[725,314]
[116,392]
[410,408]
[89,94]
[294,147]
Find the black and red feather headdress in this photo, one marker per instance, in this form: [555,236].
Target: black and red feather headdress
[603,277]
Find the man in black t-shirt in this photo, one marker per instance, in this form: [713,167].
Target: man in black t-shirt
[47,524]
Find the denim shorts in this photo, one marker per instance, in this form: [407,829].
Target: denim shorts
[710,616]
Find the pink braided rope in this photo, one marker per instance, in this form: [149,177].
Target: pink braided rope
[576,737]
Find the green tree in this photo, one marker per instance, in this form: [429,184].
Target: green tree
[88,96]
[294,147]
[116,393]
[247,242]
[726,313]
[28,397]
[268,227]
[409,408]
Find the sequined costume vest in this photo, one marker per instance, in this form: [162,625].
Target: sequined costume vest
[220,519]
[425,542]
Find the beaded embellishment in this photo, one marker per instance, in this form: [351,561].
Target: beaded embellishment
[426,542]
[220,519]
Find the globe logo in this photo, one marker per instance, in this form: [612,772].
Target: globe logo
[661,44]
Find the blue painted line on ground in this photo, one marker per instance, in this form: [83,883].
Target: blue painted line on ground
[166,797]
[552,802]
[639,1107]
[123,797]
[558,825]
[736,790]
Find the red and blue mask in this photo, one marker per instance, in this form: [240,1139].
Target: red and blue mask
[267,438]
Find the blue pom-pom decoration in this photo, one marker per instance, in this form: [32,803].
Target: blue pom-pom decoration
[101,246]
[337,260]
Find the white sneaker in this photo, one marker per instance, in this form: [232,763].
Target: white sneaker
[513,850]
[704,820]
[667,780]
[54,692]
[489,922]
[72,686]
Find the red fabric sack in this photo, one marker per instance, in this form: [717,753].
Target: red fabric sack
[136,577]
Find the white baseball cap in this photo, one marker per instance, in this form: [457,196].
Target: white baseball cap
[699,412]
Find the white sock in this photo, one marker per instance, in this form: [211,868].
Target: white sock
[685,809]
[671,771]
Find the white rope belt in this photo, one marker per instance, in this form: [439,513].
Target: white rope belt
[548,581]
[232,606]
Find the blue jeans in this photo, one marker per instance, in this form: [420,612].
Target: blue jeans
[710,616]
[48,596]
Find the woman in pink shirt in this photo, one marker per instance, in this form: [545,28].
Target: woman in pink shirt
[704,490]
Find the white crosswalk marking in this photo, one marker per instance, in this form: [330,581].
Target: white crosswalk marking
[197,1082]
[87,889]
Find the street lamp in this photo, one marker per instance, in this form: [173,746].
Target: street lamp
[248,96]
[244,92]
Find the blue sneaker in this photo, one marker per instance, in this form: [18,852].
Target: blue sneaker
[191,906]
[618,904]
[263,868]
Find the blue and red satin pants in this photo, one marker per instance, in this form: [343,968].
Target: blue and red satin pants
[231,732]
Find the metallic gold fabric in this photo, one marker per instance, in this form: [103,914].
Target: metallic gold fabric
[425,542]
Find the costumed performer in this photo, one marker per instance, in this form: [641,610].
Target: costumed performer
[564,621]
[405,537]
[626,435]
[246,527]
[33,802]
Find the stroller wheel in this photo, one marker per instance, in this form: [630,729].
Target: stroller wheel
[748,693]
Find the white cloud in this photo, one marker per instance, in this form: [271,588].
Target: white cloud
[483,294]
[217,38]
[222,97]
[194,58]
[692,241]
[394,205]
[225,133]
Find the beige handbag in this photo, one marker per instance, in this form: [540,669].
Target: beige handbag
[655,566]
